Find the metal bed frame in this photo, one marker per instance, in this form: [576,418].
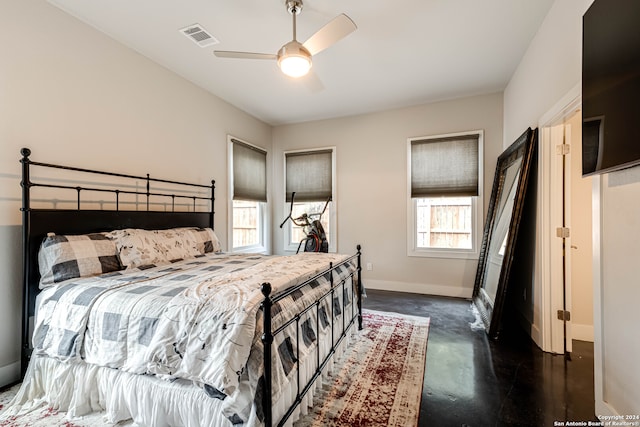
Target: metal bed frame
[36,223]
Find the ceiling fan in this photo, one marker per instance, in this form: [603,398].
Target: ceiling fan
[294,58]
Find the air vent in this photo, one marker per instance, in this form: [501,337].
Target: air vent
[199,35]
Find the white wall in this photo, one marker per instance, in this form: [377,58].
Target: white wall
[372,181]
[620,292]
[76,97]
[548,71]
[550,68]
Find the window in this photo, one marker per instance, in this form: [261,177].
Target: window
[444,189]
[444,222]
[310,174]
[246,224]
[248,189]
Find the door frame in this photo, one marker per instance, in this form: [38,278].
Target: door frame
[551,335]
[564,108]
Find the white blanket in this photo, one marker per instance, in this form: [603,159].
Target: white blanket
[196,320]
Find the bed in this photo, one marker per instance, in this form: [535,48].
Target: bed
[181,335]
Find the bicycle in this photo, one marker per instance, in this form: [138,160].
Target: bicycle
[315,239]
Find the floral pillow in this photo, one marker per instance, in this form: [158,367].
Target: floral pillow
[69,257]
[206,240]
[138,247]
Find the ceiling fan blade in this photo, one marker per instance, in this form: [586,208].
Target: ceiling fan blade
[243,55]
[338,28]
[312,82]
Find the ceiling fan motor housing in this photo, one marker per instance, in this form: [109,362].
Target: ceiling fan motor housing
[293,48]
[294,6]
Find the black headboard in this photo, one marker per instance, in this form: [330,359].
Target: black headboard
[36,223]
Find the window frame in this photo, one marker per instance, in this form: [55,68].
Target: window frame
[263,211]
[332,209]
[477,204]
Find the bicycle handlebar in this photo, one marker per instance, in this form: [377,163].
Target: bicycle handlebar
[293,195]
[304,217]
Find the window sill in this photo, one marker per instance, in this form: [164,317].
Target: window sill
[294,248]
[443,253]
[250,250]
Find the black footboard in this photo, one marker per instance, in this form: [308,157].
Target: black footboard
[269,333]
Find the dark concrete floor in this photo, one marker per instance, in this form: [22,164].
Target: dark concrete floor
[471,381]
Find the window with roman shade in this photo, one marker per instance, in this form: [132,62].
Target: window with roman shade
[444,167]
[249,172]
[310,175]
[248,231]
[444,189]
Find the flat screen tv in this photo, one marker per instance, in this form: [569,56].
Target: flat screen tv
[611,86]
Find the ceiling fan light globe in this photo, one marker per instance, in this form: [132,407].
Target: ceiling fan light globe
[294,60]
[295,65]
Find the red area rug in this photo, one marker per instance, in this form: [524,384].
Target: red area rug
[379,383]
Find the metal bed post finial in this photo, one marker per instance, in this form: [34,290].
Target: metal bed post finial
[78,190]
[25,153]
[267,340]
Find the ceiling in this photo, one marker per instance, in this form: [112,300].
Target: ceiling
[403,53]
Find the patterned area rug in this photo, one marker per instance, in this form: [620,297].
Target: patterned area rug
[48,417]
[379,384]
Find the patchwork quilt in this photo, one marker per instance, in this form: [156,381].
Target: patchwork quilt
[197,319]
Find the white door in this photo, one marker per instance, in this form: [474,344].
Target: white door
[559,236]
[580,243]
[566,237]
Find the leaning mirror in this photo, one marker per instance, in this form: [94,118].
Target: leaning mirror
[501,230]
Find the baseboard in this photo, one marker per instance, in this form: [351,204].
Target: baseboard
[604,411]
[534,330]
[418,288]
[9,374]
[582,332]
[536,335]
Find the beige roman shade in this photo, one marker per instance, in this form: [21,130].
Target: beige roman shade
[249,172]
[444,167]
[309,175]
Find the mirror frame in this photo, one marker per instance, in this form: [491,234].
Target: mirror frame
[491,313]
